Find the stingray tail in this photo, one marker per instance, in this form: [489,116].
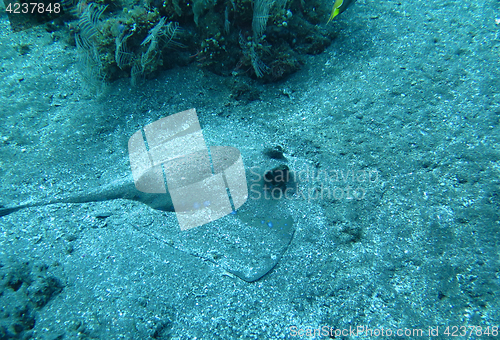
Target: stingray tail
[6,211]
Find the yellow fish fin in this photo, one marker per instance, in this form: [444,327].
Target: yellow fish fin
[335,9]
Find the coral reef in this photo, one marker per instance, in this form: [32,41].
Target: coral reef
[262,39]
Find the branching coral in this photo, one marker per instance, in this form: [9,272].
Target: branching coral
[123,55]
[161,36]
[88,55]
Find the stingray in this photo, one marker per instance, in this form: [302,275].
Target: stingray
[247,243]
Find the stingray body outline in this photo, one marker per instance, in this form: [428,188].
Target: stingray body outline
[264,245]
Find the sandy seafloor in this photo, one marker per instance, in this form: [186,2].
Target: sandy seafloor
[409,89]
